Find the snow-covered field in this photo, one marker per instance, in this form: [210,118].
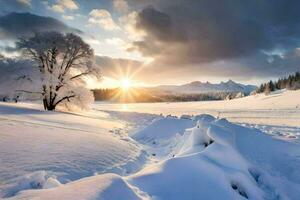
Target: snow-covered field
[279,108]
[38,144]
[278,113]
[107,153]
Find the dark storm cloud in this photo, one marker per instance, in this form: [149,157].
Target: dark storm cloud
[195,32]
[12,73]
[159,25]
[15,25]
[228,38]
[7,6]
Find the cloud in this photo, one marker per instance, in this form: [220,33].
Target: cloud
[62,5]
[8,6]
[12,73]
[129,23]
[25,2]
[120,5]
[68,17]
[101,13]
[118,67]
[15,25]
[209,35]
[92,40]
[115,41]
[196,38]
[237,69]
[102,18]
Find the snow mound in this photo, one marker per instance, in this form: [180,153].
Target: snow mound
[196,138]
[201,158]
[107,186]
[36,180]
[162,128]
[207,162]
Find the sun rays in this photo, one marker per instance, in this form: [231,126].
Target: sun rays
[125,79]
[125,83]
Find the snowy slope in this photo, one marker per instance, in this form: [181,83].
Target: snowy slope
[35,144]
[214,159]
[207,87]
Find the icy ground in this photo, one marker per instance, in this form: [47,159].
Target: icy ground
[46,155]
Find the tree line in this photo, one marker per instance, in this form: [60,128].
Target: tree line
[292,82]
[140,95]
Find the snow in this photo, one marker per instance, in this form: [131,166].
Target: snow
[163,128]
[221,163]
[66,146]
[107,186]
[253,161]
[130,155]
[281,108]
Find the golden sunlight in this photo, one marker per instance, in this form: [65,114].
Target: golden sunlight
[125,83]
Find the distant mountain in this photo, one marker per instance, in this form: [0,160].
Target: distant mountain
[194,91]
[206,87]
[15,25]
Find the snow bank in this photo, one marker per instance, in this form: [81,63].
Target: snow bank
[107,186]
[198,158]
[36,180]
[163,128]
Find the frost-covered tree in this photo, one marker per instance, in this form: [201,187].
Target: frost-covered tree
[62,61]
[292,82]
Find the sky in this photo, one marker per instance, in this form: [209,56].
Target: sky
[157,42]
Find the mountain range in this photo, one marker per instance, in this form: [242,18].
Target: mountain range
[206,87]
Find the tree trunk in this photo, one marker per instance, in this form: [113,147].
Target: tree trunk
[51,107]
[45,103]
[48,105]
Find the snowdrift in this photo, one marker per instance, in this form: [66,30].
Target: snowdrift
[211,159]
[106,186]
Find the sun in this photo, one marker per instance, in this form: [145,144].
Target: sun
[126,83]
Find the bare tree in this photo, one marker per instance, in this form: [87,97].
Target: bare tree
[63,61]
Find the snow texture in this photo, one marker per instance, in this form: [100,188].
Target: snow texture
[214,159]
[91,156]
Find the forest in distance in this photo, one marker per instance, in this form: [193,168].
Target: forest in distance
[140,95]
[136,95]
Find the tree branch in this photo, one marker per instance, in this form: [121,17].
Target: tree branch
[65,98]
[28,92]
[79,75]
